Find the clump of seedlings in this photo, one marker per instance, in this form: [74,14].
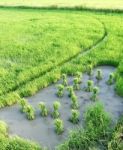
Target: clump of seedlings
[89,87]
[43,108]
[60,91]
[99,75]
[30,112]
[64,78]
[74,116]
[59,126]
[111,79]
[89,70]
[70,90]
[74,100]
[79,76]
[56,106]
[23,104]
[95,94]
[76,85]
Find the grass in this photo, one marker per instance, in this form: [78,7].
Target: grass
[36,40]
[38,46]
[15,143]
[95,133]
[110,4]
[109,52]
[116,140]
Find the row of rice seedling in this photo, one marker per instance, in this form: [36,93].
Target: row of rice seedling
[27,109]
[44,111]
[22,62]
[96,57]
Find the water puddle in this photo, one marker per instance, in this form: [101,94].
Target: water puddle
[41,129]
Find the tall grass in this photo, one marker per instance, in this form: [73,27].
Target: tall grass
[96,130]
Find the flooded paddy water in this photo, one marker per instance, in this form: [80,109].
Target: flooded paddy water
[41,129]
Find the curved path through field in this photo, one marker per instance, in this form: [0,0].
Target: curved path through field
[81,53]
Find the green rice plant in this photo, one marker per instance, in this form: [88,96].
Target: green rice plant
[119,86]
[89,70]
[44,110]
[99,75]
[74,100]
[111,79]
[28,73]
[79,76]
[3,129]
[96,129]
[23,104]
[70,90]
[64,78]
[90,85]
[97,121]
[56,106]
[74,116]
[116,142]
[60,91]
[17,143]
[30,112]
[59,126]
[76,85]
[95,94]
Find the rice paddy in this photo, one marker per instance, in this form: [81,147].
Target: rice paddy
[61,77]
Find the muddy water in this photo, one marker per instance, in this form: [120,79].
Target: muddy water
[41,129]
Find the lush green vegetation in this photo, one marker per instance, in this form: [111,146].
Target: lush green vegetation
[38,46]
[117,136]
[14,143]
[97,132]
[41,70]
[97,127]
[36,40]
[59,126]
[111,4]
[109,52]
[119,84]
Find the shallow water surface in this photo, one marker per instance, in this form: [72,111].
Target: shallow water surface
[41,129]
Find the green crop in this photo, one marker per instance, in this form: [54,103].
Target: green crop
[44,110]
[94,96]
[37,46]
[70,91]
[89,87]
[111,79]
[74,102]
[99,75]
[64,78]
[60,91]
[23,104]
[79,76]
[76,85]
[56,106]
[30,112]
[74,116]
[90,69]
[59,126]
